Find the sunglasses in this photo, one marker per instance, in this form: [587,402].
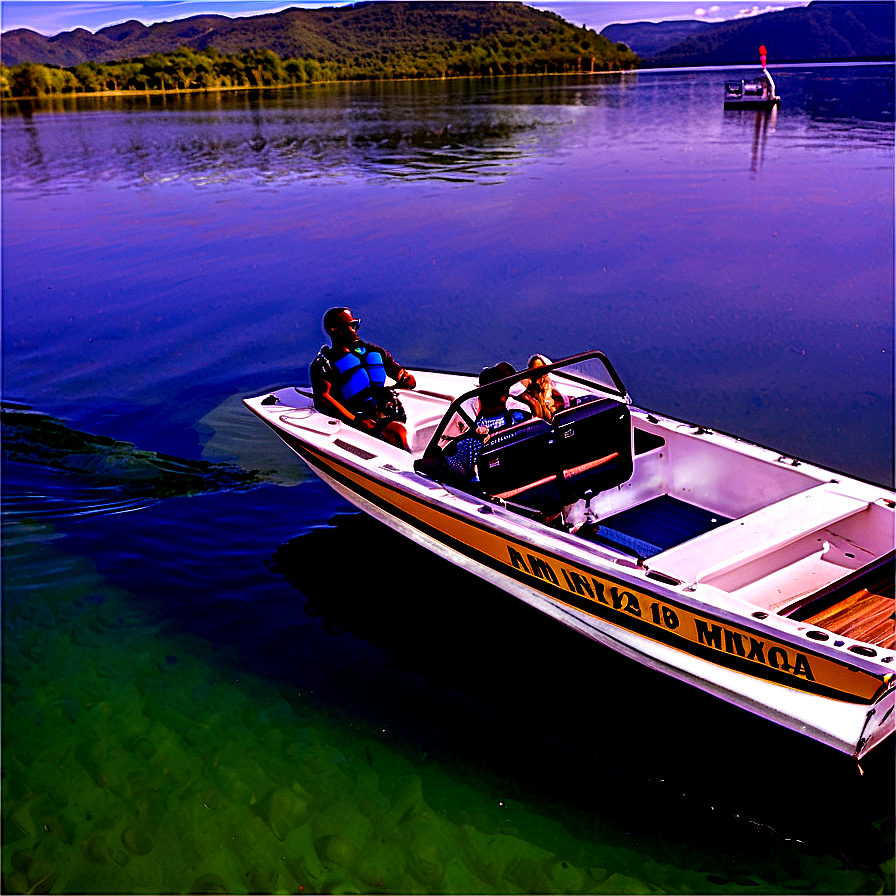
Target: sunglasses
[354,324]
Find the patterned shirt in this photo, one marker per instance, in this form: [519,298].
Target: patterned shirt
[463,461]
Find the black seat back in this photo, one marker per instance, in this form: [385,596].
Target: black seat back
[593,444]
[545,466]
[518,465]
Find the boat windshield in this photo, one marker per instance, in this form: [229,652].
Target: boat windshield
[591,370]
[578,377]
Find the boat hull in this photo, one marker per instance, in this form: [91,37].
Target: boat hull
[765,105]
[570,593]
[766,664]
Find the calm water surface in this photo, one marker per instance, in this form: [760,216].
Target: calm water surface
[216,678]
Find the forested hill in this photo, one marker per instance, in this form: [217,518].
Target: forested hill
[820,32]
[365,36]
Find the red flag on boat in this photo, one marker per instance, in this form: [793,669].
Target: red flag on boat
[763,55]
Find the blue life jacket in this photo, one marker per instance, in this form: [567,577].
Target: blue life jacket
[361,375]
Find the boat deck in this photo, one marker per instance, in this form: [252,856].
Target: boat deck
[659,524]
[863,615]
[792,546]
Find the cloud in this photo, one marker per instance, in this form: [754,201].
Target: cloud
[714,13]
[756,11]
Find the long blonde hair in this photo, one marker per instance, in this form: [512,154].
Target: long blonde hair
[542,388]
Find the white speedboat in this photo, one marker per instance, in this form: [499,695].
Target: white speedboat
[757,577]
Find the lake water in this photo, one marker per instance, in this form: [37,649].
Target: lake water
[216,676]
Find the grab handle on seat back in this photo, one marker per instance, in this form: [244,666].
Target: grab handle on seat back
[519,464]
[594,446]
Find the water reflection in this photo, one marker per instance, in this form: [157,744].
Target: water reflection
[764,124]
[764,120]
[463,131]
[761,123]
[259,150]
[269,137]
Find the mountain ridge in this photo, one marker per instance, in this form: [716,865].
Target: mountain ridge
[332,34]
[846,30]
[823,31]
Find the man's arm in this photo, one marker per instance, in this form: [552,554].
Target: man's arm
[402,378]
[327,403]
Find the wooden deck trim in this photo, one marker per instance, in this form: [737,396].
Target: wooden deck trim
[862,616]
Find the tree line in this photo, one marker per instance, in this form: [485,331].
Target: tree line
[207,69]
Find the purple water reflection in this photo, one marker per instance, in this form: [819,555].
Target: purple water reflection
[737,268]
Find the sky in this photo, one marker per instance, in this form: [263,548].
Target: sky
[50,17]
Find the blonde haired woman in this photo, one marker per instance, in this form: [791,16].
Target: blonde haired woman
[540,396]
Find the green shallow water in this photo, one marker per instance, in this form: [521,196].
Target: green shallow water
[139,758]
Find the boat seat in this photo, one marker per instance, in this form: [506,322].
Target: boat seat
[547,466]
[753,537]
[517,464]
[543,466]
[593,446]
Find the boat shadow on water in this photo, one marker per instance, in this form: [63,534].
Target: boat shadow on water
[478,677]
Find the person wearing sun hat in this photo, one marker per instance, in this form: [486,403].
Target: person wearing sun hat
[493,415]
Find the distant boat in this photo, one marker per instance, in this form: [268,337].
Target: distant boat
[757,93]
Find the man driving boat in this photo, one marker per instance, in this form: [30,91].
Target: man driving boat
[349,381]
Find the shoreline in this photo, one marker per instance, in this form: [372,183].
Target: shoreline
[254,87]
[181,91]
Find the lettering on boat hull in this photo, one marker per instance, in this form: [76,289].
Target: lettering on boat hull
[679,626]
